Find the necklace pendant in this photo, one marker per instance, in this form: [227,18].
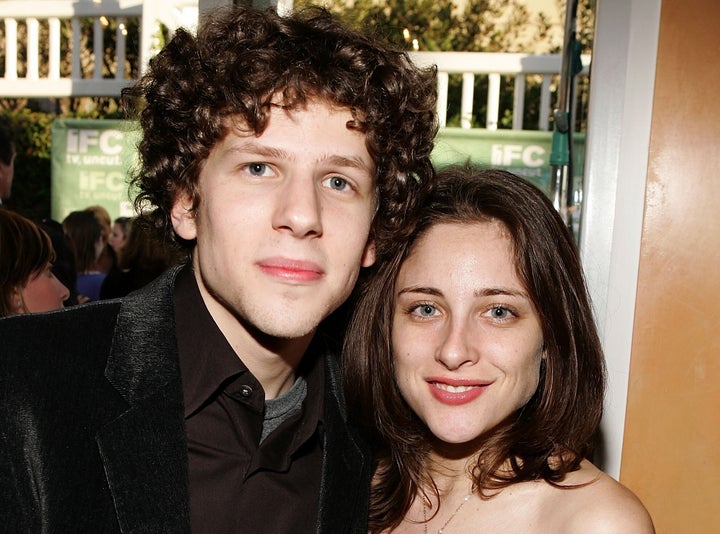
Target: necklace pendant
[440,530]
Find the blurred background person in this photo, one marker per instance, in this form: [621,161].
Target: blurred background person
[142,259]
[7,162]
[119,233]
[107,261]
[27,284]
[85,235]
[64,265]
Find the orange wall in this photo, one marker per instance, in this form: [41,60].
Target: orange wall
[671,448]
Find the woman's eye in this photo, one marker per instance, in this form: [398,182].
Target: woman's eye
[337,183]
[500,312]
[425,310]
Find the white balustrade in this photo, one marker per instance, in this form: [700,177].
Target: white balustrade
[43,76]
[495,65]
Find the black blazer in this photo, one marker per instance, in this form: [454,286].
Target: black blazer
[92,432]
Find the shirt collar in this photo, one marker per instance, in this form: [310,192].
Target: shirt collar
[207,360]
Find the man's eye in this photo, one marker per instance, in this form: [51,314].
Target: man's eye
[337,183]
[257,169]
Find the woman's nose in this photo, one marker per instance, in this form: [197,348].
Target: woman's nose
[457,347]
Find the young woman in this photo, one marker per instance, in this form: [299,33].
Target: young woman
[141,259]
[27,284]
[85,234]
[119,234]
[481,377]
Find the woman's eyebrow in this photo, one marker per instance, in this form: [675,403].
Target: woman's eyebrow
[421,289]
[496,291]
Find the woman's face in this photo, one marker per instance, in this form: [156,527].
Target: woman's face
[466,337]
[117,237]
[43,292]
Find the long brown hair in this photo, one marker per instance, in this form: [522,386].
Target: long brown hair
[25,249]
[83,231]
[553,432]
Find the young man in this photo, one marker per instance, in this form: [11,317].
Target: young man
[286,154]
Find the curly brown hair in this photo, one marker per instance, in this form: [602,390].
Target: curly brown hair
[241,61]
[555,430]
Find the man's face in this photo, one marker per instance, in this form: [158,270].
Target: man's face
[283,221]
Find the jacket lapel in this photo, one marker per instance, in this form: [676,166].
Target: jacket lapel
[144,450]
[347,466]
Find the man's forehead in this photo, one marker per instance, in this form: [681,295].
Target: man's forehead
[239,124]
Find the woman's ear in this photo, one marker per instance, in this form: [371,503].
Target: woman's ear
[16,300]
[182,215]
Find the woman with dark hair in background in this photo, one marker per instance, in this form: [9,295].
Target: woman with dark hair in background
[473,362]
[27,284]
[85,235]
[119,233]
[107,260]
[64,265]
[142,258]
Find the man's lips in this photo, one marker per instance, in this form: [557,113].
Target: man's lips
[291,270]
[455,392]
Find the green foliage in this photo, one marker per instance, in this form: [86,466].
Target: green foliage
[440,25]
[32,133]
[585,27]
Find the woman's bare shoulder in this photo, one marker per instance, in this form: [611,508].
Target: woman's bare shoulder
[600,504]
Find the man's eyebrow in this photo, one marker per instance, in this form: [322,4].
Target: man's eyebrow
[343,161]
[336,160]
[259,149]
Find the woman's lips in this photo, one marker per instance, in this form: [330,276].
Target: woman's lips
[456,392]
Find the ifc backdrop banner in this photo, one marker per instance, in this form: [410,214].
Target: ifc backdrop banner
[523,152]
[91,160]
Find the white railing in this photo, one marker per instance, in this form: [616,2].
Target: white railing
[494,66]
[43,18]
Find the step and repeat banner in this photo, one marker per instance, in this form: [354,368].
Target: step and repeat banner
[91,163]
[523,152]
[91,160]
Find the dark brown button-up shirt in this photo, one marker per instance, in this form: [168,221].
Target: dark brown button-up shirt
[238,484]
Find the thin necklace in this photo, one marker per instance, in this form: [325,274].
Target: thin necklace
[440,530]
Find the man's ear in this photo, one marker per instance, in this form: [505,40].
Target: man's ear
[368,257]
[183,217]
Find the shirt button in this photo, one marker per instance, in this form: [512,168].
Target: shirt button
[245,391]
